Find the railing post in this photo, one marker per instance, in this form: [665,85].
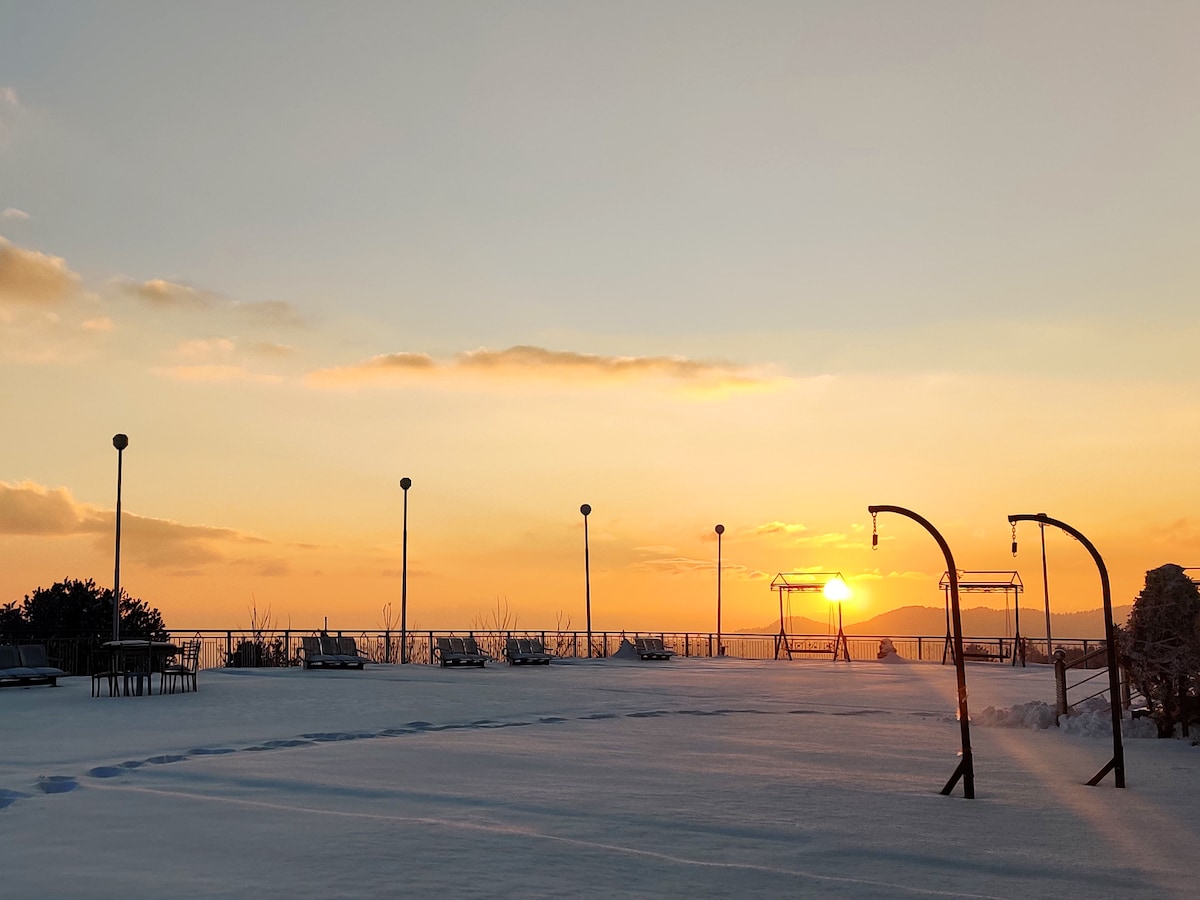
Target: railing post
[1060,683]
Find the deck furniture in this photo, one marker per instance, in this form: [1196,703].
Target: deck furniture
[456,651]
[325,652]
[182,671]
[26,665]
[652,648]
[522,651]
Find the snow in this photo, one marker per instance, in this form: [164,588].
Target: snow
[595,778]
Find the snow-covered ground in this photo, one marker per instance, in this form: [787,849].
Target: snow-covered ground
[613,778]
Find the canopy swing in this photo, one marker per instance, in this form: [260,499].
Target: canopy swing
[828,584]
[988,582]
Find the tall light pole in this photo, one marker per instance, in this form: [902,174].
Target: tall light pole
[720,530]
[587,576]
[966,765]
[405,484]
[120,441]
[1116,765]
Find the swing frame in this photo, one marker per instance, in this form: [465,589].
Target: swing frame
[986,582]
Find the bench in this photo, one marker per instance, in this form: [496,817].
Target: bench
[652,648]
[519,651]
[324,652]
[983,654]
[27,665]
[456,651]
[819,648]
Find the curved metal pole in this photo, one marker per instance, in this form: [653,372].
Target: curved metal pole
[405,484]
[120,441]
[587,576]
[720,530]
[1116,765]
[966,767]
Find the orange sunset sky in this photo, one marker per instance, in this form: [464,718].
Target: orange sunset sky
[761,264]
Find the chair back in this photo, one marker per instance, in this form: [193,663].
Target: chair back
[33,655]
[443,645]
[457,645]
[469,646]
[512,647]
[311,645]
[347,646]
[189,658]
[329,645]
[535,645]
[10,657]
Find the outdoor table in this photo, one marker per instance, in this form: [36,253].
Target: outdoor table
[137,658]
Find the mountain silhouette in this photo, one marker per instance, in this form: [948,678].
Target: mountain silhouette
[978,621]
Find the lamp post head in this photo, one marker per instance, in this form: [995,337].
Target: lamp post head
[405,483]
[120,441]
[720,529]
[586,510]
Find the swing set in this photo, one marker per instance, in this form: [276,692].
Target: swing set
[987,582]
[829,584]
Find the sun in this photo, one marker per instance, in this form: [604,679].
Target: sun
[836,590]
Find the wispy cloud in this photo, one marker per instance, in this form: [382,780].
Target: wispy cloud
[171,296]
[32,279]
[534,364]
[12,212]
[683,565]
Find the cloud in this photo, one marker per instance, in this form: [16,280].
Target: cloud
[682,565]
[32,279]
[12,212]
[534,364]
[29,509]
[171,296]
[783,528]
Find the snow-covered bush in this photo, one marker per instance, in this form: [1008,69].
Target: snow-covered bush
[1160,646]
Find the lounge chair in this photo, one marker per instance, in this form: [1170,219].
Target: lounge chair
[652,648]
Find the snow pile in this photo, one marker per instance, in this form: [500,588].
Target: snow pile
[1033,715]
[1091,718]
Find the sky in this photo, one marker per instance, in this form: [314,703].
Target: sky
[757,264]
[603,778]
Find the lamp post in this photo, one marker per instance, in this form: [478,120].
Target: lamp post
[587,577]
[120,441]
[405,484]
[1116,765]
[966,766]
[720,530]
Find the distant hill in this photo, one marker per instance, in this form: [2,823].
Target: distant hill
[979,621]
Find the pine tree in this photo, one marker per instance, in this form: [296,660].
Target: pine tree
[1160,644]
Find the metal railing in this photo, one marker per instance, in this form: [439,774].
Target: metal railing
[247,648]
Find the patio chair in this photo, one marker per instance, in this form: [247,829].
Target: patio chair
[652,648]
[184,671]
